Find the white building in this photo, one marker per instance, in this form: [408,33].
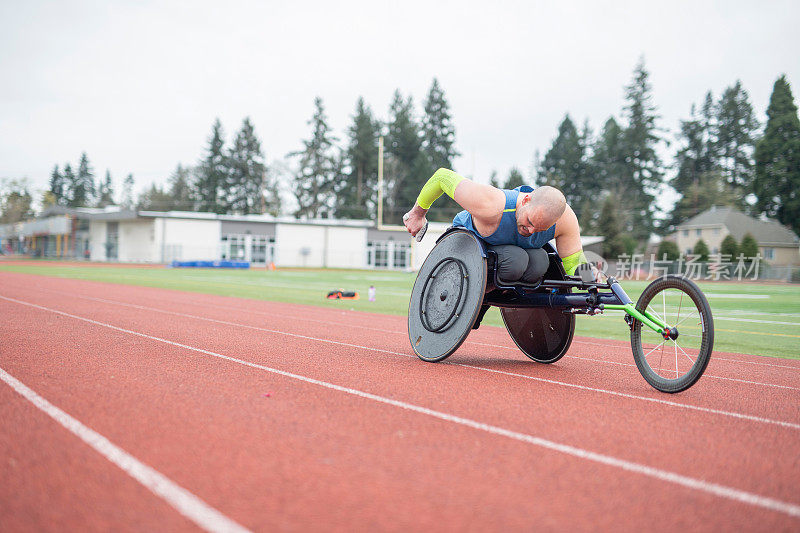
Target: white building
[114,234]
[117,235]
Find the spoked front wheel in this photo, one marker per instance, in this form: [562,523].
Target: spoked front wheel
[673,362]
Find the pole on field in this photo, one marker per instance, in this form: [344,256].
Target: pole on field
[381,225]
[380,181]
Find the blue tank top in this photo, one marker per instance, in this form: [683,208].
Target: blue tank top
[506,232]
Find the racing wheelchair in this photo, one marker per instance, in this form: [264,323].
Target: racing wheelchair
[671,326]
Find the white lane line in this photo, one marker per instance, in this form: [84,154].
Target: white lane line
[705,375]
[345,324]
[731,414]
[615,313]
[620,363]
[721,491]
[643,398]
[176,496]
[305,318]
[714,358]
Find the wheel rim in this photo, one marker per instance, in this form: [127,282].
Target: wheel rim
[674,360]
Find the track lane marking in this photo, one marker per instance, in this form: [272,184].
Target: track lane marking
[345,324]
[511,348]
[629,466]
[709,410]
[177,497]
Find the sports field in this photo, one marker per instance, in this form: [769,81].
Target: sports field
[752,318]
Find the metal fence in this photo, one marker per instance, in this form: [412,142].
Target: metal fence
[717,268]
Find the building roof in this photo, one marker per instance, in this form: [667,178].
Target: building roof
[77,212]
[766,232]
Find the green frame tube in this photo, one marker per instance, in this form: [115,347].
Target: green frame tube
[652,322]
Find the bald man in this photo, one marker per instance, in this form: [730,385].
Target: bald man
[514,223]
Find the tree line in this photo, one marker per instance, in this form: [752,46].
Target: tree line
[611,179]
[721,158]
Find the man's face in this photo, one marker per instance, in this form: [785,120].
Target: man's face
[530,220]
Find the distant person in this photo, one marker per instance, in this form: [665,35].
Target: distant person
[371,293]
[516,223]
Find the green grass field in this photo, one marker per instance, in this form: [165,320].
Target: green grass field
[754,318]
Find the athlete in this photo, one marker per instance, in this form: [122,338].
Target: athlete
[514,223]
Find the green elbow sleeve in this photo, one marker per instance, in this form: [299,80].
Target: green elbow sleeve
[571,262]
[443,180]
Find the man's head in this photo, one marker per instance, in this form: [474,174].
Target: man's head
[539,210]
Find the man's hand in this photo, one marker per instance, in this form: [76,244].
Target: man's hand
[415,220]
[588,272]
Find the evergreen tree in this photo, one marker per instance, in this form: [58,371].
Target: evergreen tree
[70,182]
[407,169]
[15,201]
[701,249]
[438,131]
[749,246]
[318,170]
[668,249]
[212,173]
[691,158]
[356,193]
[535,165]
[271,196]
[610,227]
[180,189]
[106,192]
[729,246]
[736,130]
[127,192]
[710,128]
[246,173]
[710,189]
[564,165]
[777,179]
[515,179]
[155,199]
[494,182]
[57,186]
[83,189]
[608,158]
[644,172]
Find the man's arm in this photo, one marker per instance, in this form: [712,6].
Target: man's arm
[482,201]
[568,241]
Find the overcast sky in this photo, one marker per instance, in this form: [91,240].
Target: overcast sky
[137,85]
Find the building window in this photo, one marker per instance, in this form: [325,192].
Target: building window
[716,231]
[253,248]
[686,233]
[388,254]
[401,253]
[233,247]
[262,249]
[698,232]
[769,253]
[715,251]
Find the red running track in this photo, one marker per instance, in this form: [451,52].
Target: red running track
[276,416]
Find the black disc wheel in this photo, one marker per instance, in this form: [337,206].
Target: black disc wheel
[674,361]
[542,334]
[447,295]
